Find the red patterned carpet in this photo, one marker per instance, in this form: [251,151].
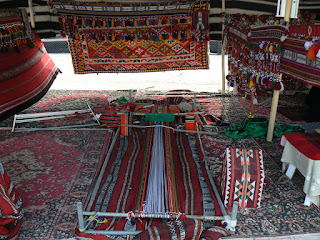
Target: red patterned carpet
[35,161]
[52,171]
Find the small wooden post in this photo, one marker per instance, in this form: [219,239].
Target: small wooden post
[223,87]
[273,113]
[31,12]
[287,12]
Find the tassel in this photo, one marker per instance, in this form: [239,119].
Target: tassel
[312,52]
[93,22]
[158,38]
[138,23]
[170,37]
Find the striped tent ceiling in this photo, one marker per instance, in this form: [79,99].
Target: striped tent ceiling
[47,21]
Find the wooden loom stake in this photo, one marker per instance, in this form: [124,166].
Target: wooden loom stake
[32,20]
[273,113]
[223,87]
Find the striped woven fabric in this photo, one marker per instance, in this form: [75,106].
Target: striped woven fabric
[295,63]
[11,207]
[26,70]
[242,177]
[125,180]
[180,229]
[257,7]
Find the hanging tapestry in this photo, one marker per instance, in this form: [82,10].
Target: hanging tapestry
[296,64]
[26,70]
[135,37]
[242,177]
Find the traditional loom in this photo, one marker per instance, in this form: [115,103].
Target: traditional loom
[152,172]
[33,117]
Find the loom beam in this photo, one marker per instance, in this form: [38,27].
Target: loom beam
[105,163]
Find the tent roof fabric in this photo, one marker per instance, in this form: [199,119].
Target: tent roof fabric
[47,24]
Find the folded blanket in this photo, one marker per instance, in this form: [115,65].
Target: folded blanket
[258,128]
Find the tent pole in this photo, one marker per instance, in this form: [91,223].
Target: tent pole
[223,87]
[287,12]
[273,112]
[32,20]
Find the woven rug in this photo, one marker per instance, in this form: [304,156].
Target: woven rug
[62,100]
[282,211]
[123,185]
[52,171]
[135,37]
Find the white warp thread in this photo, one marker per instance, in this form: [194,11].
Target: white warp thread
[156,195]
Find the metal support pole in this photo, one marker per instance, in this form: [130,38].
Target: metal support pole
[80,215]
[105,163]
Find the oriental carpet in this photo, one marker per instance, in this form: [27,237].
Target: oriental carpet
[281,212]
[52,171]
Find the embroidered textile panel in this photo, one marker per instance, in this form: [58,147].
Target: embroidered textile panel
[242,177]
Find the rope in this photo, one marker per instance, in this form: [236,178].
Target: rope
[92,218]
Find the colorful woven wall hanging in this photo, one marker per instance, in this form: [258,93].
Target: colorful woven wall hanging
[114,37]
